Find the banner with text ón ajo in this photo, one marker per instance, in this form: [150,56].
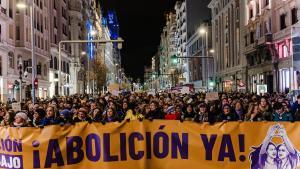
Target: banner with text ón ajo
[153,145]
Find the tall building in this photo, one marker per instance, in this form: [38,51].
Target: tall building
[16,49]
[201,69]
[59,30]
[78,31]
[181,40]
[271,37]
[189,15]
[167,52]
[227,22]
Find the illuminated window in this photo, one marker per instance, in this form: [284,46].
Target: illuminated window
[285,51]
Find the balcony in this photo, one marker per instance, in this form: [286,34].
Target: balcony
[282,34]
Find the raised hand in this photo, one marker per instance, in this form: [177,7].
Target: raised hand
[272,130]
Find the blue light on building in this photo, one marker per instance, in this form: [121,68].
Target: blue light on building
[90,46]
[113,24]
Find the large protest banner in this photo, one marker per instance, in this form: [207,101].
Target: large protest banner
[152,145]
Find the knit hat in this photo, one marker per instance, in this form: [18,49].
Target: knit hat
[202,105]
[22,115]
[65,113]
[226,105]
[170,109]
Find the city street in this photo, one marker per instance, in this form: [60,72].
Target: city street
[212,84]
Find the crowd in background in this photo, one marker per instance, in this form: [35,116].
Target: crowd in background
[139,106]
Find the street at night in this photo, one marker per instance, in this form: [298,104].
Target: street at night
[158,84]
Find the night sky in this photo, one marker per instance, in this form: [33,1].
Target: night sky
[141,23]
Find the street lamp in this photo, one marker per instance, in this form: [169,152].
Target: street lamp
[202,31]
[83,53]
[23,5]
[205,51]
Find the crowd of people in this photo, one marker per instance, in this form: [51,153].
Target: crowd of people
[139,106]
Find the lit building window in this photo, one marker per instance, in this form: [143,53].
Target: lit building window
[285,51]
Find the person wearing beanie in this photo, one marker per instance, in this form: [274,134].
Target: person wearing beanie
[20,120]
[279,114]
[65,117]
[171,114]
[227,114]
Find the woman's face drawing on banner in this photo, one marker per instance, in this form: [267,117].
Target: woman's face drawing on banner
[271,151]
[282,152]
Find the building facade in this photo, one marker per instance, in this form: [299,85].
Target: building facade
[201,69]
[16,49]
[53,22]
[168,62]
[227,21]
[181,41]
[271,32]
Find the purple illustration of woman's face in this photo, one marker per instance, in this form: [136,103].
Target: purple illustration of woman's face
[282,152]
[271,151]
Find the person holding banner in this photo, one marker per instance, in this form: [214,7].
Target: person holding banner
[8,118]
[254,113]
[227,114]
[203,115]
[21,120]
[266,109]
[279,114]
[82,116]
[50,118]
[155,112]
[110,116]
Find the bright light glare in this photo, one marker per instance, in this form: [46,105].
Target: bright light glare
[202,31]
[93,32]
[21,5]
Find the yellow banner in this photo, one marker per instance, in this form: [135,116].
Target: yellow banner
[152,145]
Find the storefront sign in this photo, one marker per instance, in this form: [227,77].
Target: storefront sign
[262,89]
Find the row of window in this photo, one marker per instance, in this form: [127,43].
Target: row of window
[266,27]
[26,64]
[54,65]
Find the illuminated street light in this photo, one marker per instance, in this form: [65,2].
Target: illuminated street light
[83,53]
[211,51]
[93,33]
[21,5]
[202,31]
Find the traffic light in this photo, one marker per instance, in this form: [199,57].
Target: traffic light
[36,83]
[174,59]
[211,82]
[17,85]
